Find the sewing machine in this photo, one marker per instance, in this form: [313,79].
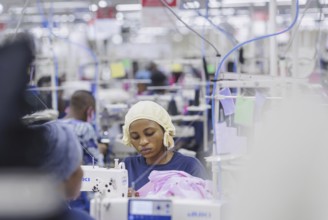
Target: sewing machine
[111,201]
[154,209]
[108,182]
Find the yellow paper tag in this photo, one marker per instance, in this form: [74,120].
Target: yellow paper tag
[117,70]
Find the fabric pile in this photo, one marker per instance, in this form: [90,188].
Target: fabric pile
[173,183]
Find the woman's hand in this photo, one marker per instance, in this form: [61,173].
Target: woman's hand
[132,193]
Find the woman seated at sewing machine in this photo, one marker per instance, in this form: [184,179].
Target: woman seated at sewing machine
[149,129]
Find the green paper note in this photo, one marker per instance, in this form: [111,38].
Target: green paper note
[244,111]
[126,63]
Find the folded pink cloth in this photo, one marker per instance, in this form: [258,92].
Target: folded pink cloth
[173,183]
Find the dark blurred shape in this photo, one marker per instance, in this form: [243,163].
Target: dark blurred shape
[230,67]
[34,101]
[15,58]
[241,56]
[45,81]
[205,69]
[43,99]
[21,148]
[158,78]
[172,108]
[197,97]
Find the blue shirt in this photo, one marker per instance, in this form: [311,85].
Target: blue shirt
[77,214]
[139,170]
[88,140]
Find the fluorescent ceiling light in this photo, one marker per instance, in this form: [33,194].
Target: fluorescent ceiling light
[191,5]
[87,17]
[228,11]
[119,16]
[302,2]
[93,7]
[214,4]
[259,4]
[47,5]
[128,7]
[28,10]
[70,4]
[102,4]
[153,30]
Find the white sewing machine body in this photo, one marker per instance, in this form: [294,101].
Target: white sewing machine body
[108,182]
[154,209]
[111,201]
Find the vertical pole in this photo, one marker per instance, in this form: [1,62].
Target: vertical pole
[295,43]
[216,175]
[96,95]
[273,40]
[205,129]
[54,101]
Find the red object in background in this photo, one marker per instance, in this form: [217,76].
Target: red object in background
[158,3]
[2,26]
[107,12]
[260,16]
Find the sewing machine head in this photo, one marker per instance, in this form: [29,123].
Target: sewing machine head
[108,182]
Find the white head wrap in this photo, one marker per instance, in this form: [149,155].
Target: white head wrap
[152,111]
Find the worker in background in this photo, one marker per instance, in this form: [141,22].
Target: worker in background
[143,73]
[158,78]
[142,86]
[149,129]
[176,74]
[46,96]
[80,114]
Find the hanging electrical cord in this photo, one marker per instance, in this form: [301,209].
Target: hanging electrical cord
[203,57]
[32,67]
[307,6]
[177,28]
[48,24]
[320,6]
[89,51]
[95,83]
[21,17]
[229,36]
[320,30]
[191,29]
[86,49]
[235,48]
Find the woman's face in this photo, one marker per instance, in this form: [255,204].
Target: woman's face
[147,138]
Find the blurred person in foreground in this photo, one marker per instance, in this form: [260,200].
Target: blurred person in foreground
[284,175]
[27,151]
[62,159]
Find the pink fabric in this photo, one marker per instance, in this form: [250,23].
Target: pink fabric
[173,183]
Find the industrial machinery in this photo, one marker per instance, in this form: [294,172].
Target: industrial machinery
[111,201]
[108,182]
[154,209]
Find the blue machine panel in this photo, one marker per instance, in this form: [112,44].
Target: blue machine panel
[149,209]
